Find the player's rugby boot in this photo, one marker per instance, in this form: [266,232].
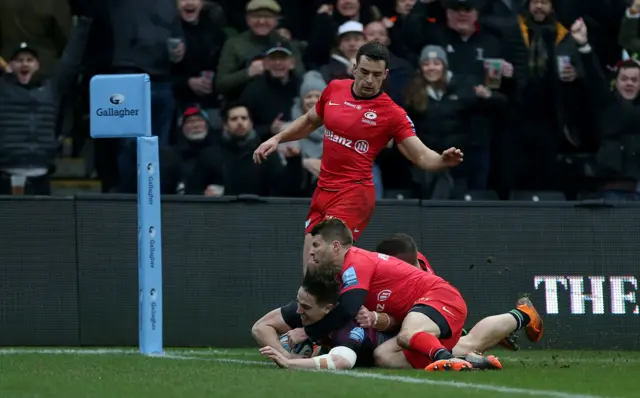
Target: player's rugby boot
[510,342]
[481,362]
[453,364]
[534,330]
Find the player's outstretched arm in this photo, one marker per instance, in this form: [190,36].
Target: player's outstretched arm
[300,128]
[266,330]
[420,155]
[339,358]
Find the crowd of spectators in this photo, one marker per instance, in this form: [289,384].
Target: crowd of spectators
[537,93]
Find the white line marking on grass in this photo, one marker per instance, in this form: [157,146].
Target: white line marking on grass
[606,361]
[415,380]
[187,355]
[405,379]
[237,353]
[222,360]
[468,386]
[213,351]
[524,358]
[69,351]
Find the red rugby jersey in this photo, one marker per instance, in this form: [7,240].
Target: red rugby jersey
[424,263]
[392,285]
[356,130]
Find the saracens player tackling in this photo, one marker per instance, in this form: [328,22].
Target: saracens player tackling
[351,346]
[485,334]
[431,311]
[360,120]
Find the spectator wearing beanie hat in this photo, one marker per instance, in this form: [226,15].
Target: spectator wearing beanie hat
[310,147]
[443,113]
[178,162]
[195,124]
[436,53]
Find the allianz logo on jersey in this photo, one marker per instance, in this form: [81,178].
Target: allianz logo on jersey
[360,146]
[350,105]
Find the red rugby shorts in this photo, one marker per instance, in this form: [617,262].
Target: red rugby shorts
[353,205]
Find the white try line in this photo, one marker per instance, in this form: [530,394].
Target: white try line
[560,358]
[238,353]
[406,379]
[69,351]
[187,355]
[511,358]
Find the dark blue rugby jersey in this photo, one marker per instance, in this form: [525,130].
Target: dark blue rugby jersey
[361,341]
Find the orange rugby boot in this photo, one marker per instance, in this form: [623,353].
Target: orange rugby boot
[510,342]
[480,362]
[535,329]
[453,364]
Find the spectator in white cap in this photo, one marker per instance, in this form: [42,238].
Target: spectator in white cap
[331,15]
[400,70]
[349,39]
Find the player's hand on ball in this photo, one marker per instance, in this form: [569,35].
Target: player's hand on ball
[296,336]
[365,318]
[452,157]
[275,356]
[265,149]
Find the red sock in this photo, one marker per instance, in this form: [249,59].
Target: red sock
[416,359]
[429,345]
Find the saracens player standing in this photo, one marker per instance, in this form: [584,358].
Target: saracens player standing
[360,120]
[431,311]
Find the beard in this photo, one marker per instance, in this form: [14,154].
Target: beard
[197,136]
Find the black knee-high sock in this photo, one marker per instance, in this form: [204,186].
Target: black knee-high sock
[522,319]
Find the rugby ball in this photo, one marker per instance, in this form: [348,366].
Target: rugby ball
[304,349]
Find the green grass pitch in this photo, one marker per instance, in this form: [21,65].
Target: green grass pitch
[123,373]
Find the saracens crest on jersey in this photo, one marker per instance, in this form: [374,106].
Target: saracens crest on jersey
[370,117]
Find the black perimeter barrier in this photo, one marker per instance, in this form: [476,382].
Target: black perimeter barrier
[69,265]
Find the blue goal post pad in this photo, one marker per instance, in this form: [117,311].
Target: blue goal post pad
[149,247]
[120,106]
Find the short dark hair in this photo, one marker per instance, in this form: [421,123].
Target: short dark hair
[333,229]
[628,64]
[322,285]
[401,246]
[375,51]
[231,106]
